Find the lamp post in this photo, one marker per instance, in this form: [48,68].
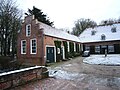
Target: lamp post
[105,52]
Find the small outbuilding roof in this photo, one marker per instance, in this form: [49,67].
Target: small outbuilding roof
[50,31]
[110,32]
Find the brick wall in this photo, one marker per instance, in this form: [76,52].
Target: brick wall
[19,77]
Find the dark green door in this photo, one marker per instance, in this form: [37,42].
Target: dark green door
[50,54]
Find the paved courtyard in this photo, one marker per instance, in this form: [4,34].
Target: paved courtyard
[76,75]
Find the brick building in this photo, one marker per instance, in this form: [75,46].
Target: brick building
[39,43]
[101,38]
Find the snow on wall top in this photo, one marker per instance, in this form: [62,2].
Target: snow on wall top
[100,30]
[21,70]
[50,31]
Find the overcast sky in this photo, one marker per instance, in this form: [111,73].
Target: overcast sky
[65,12]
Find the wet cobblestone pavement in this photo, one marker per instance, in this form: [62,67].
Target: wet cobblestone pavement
[74,75]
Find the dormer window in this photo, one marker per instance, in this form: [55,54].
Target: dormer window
[93,32]
[113,29]
[28,30]
[103,37]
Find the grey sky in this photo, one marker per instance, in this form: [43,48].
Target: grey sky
[65,12]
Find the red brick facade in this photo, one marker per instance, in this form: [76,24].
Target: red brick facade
[35,59]
[43,41]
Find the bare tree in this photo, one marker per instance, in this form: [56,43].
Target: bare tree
[10,23]
[108,22]
[81,25]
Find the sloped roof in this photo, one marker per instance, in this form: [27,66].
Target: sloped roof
[86,36]
[50,31]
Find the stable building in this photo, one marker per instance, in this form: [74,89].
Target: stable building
[101,38]
[39,43]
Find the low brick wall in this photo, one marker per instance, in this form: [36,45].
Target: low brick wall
[22,76]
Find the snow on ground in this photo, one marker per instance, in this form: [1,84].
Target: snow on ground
[61,74]
[111,59]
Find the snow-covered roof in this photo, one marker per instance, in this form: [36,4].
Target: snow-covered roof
[50,31]
[87,37]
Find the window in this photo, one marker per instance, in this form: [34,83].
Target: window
[111,48]
[103,37]
[23,47]
[33,45]
[87,48]
[28,30]
[97,49]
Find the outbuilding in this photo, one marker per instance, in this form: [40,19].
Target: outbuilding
[99,39]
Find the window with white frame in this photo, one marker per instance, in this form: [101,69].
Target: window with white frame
[110,48]
[97,49]
[23,47]
[28,30]
[33,45]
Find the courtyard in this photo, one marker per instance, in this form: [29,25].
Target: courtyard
[76,75]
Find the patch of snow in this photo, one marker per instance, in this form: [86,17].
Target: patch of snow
[101,59]
[61,74]
[68,65]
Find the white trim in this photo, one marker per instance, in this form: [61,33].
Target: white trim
[81,47]
[31,46]
[63,52]
[54,51]
[68,46]
[22,47]
[74,47]
[27,29]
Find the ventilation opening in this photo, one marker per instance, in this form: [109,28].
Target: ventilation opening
[113,29]
[93,32]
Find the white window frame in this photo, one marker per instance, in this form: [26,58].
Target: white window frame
[22,46]
[32,46]
[28,34]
